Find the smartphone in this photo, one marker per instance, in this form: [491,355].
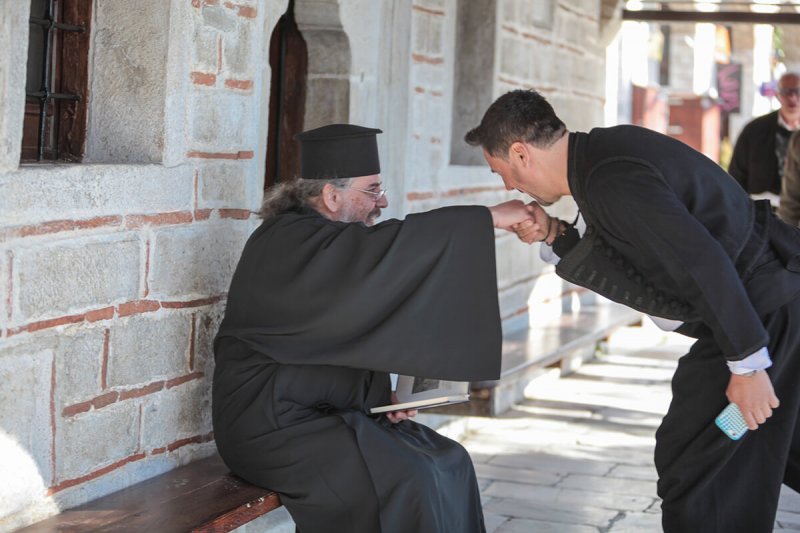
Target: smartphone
[731,422]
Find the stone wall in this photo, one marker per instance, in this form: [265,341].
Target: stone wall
[113,272]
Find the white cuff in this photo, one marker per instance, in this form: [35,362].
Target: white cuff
[756,361]
[665,324]
[547,254]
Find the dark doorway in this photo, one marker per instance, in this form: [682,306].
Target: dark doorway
[288,57]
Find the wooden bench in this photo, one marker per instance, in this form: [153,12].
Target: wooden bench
[202,496]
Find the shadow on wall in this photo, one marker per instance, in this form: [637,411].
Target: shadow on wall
[21,485]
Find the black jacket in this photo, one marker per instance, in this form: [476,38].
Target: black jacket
[664,218]
[754,163]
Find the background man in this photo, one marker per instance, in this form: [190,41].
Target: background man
[758,158]
[322,306]
[789,208]
[672,235]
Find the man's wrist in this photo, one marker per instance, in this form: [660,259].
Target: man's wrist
[555,228]
[748,366]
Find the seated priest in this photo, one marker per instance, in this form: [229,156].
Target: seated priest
[324,304]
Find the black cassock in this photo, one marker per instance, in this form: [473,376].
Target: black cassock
[671,234]
[319,312]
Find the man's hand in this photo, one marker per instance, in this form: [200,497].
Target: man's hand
[505,215]
[535,229]
[754,396]
[396,416]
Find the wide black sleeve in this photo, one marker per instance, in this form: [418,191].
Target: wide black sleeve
[416,297]
[636,204]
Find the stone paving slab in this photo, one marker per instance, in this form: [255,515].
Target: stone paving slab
[576,456]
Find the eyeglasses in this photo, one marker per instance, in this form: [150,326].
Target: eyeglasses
[794,91]
[376,195]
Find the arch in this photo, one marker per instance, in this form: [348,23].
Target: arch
[288,59]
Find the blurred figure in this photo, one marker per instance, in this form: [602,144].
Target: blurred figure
[789,209]
[758,157]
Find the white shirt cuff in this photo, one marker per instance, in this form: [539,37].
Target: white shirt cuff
[548,255]
[756,361]
[665,324]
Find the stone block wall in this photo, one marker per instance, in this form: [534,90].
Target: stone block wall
[553,47]
[114,272]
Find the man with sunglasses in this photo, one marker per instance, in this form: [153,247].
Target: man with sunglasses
[323,305]
[759,156]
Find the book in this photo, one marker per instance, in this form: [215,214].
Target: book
[423,393]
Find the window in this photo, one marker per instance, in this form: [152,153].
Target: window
[56,86]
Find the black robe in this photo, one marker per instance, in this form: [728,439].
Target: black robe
[664,218]
[319,312]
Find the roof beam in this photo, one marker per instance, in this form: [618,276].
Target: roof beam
[748,17]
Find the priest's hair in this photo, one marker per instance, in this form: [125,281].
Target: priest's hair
[296,194]
[520,115]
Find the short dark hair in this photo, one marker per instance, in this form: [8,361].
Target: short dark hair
[520,115]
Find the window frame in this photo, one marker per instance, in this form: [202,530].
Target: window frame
[55,120]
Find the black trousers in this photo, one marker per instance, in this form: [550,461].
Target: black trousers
[709,483]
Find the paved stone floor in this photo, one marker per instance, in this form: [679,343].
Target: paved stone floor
[576,455]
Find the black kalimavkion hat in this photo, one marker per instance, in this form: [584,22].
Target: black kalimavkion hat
[339,151]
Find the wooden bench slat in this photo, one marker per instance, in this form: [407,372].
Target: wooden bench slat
[200,496]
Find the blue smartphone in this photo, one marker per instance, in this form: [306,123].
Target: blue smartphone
[731,422]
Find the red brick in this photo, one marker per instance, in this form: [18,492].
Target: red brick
[138,307]
[242,85]
[93,475]
[242,154]
[106,313]
[203,214]
[538,39]
[471,190]
[174,382]
[428,10]
[421,58]
[57,226]
[141,391]
[193,303]
[238,214]
[415,196]
[160,219]
[104,367]
[45,324]
[204,78]
[146,268]
[242,11]
[190,440]
[97,402]
[192,341]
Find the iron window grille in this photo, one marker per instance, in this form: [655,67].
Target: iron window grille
[55,121]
